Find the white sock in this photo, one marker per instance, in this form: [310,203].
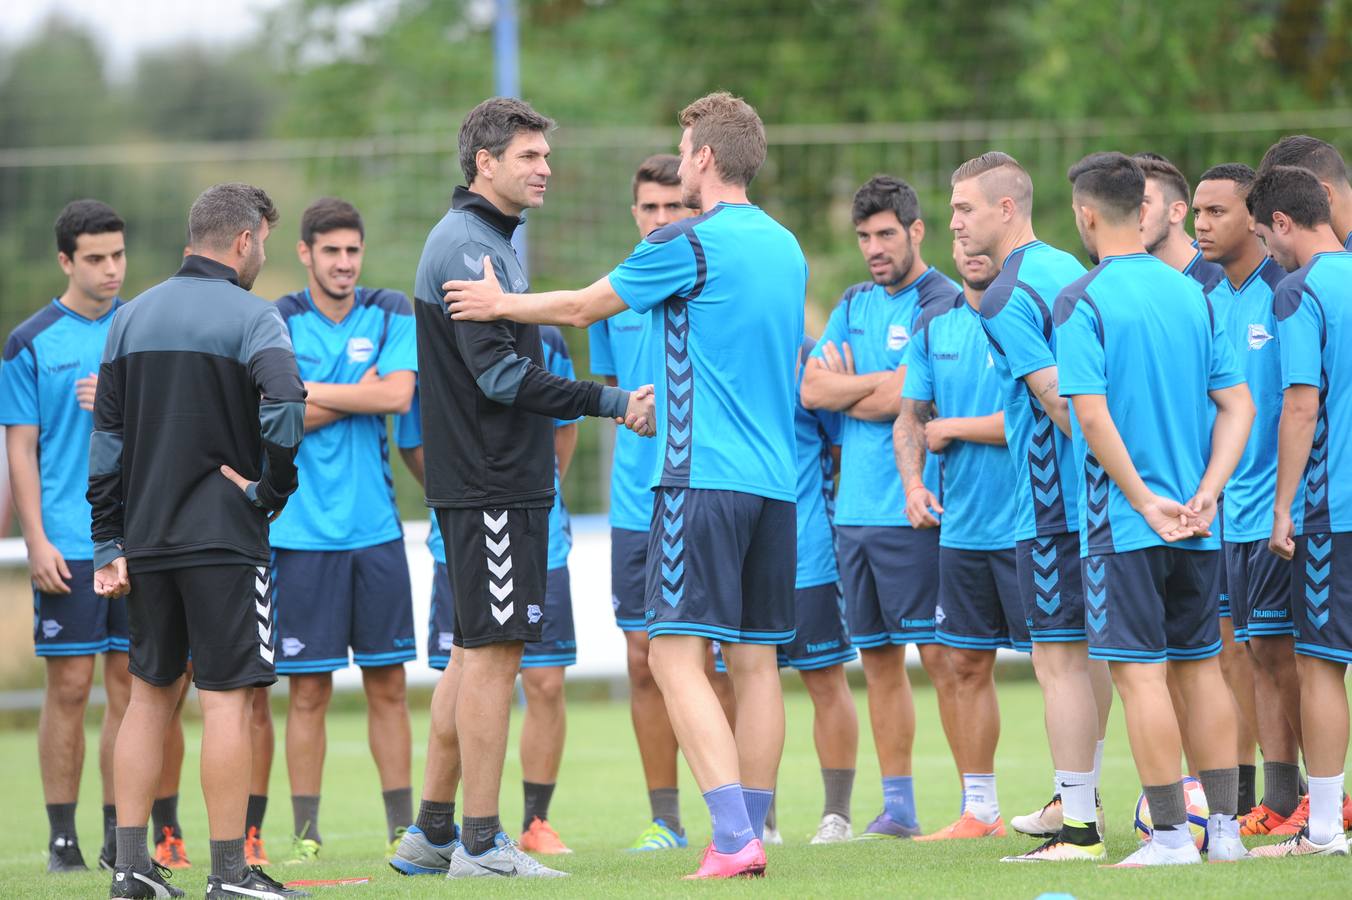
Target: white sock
[1077,795]
[978,797]
[1098,763]
[1326,807]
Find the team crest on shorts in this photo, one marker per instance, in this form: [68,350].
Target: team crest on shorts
[292,646]
[445,640]
[50,628]
[533,614]
[1258,336]
[897,337]
[359,349]
[939,615]
[615,602]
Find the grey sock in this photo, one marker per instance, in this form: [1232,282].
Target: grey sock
[61,818]
[1222,790]
[839,785]
[164,814]
[131,848]
[305,813]
[227,860]
[398,809]
[666,805]
[253,814]
[1248,787]
[1281,787]
[771,816]
[437,821]
[1168,808]
[478,833]
[537,798]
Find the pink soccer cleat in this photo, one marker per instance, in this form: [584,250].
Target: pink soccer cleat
[749,862]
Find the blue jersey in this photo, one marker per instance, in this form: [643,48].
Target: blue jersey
[951,364]
[623,347]
[1145,336]
[44,357]
[407,435]
[559,362]
[725,293]
[1016,313]
[878,327]
[346,496]
[1314,330]
[818,434]
[1246,313]
[1205,273]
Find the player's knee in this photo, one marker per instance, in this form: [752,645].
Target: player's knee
[883,666]
[1271,656]
[310,694]
[69,681]
[386,686]
[544,687]
[970,668]
[826,686]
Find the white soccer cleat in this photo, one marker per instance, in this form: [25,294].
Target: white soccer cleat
[1044,823]
[834,829]
[1153,853]
[772,836]
[1057,850]
[504,859]
[1301,845]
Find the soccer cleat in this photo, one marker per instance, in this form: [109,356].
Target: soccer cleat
[503,859]
[1153,853]
[1296,821]
[967,826]
[393,846]
[1224,848]
[256,884]
[773,837]
[1301,845]
[749,862]
[63,855]
[254,854]
[303,850]
[658,836]
[1057,849]
[1347,813]
[541,838]
[127,882]
[416,855]
[170,852]
[834,829]
[887,827]
[1045,823]
[1259,820]
[107,860]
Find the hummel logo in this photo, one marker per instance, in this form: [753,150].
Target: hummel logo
[500,592]
[495,525]
[502,615]
[474,265]
[497,548]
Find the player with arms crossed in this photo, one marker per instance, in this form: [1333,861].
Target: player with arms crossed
[725,289]
[1129,329]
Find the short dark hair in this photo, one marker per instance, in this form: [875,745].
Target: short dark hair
[491,126]
[329,214]
[660,168]
[1114,180]
[1292,190]
[886,192]
[731,128]
[1167,174]
[1320,157]
[1240,173]
[1013,178]
[85,217]
[222,211]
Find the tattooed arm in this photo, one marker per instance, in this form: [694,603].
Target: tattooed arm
[908,443]
[1045,388]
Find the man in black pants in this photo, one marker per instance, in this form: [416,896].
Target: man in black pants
[488,410]
[197,417]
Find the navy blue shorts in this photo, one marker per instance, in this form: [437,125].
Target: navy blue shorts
[821,639]
[979,605]
[628,577]
[1259,586]
[557,645]
[1052,588]
[330,600]
[1322,574]
[891,578]
[1152,605]
[80,623]
[723,566]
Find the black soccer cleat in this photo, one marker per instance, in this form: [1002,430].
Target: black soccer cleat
[256,885]
[128,882]
[107,860]
[63,855]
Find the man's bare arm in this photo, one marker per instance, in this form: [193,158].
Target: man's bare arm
[1044,386]
[373,395]
[883,403]
[484,301]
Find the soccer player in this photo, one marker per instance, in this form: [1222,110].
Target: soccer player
[197,416]
[992,208]
[1258,582]
[47,383]
[888,569]
[1324,160]
[726,290]
[1312,512]
[1139,351]
[487,408]
[951,407]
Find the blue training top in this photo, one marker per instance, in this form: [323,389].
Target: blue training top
[623,347]
[817,432]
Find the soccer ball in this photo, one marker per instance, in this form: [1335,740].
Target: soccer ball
[1198,811]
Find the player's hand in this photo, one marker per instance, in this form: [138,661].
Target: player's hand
[921,507]
[1170,519]
[370,375]
[1203,509]
[48,567]
[1283,539]
[836,361]
[85,389]
[938,435]
[243,484]
[112,580]
[640,416]
[475,301]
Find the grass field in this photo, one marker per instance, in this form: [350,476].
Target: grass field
[600,806]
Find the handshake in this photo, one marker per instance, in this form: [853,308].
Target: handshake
[640,416]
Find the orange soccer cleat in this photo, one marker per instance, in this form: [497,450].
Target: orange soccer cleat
[254,854]
[968,826]
[169,850]
[1296,821]
[1260,820]
[540,837]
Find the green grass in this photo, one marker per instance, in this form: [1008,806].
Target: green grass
[600,807]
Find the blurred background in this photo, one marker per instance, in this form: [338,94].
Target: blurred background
[143,104]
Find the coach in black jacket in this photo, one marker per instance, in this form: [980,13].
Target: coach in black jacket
[197,417]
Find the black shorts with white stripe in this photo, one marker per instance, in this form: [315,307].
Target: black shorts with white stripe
[498,561]
[222,615]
